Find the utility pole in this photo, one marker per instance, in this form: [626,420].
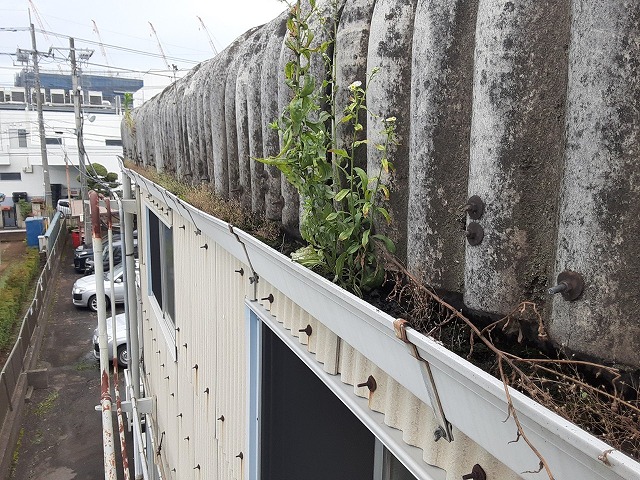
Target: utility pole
[80,139]
[43,142]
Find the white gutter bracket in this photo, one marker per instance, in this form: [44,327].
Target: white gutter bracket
[444,427]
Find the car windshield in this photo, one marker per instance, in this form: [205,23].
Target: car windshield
[117,271]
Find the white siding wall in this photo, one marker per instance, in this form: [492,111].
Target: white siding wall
[211,330]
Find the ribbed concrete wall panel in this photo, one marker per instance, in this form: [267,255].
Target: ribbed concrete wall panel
[270,76]
[441,92]
[599,227]
[531,106]
[517,133]
[390,38]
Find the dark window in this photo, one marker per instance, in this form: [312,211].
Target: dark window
[53,141]
[10,176]
[161,263]
[113,142]
[329,443]
[22,138]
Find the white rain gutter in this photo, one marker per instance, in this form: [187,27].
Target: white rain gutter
[473,401]
[110,472]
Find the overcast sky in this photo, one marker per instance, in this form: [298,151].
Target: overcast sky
[125,23]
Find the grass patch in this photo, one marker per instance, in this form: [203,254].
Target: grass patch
[85,365]
[47,404]
[14,291]
[204,198]
[16,454]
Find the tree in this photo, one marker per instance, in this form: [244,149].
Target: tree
[99,179]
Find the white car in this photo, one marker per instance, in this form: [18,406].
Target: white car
[63,207]
[121,341]
[84,290]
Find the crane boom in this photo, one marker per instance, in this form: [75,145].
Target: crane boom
[102,49]
[204,27]
[164,57]
[41,25]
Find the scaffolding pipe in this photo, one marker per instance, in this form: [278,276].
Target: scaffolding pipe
[114,346]
[110,472]
[137,431]
[130,310]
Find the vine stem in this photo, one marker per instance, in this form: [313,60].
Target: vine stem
[499,354]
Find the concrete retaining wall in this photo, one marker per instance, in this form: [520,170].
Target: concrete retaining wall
[531,106]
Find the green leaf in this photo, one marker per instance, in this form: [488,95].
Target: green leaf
[345,234]
[346,118]
[332,216]
[383,211]
[340,152]
[309,86]
[365,238]
[289,69]
[388,243]
[364,178]
[341,194]
[353,249]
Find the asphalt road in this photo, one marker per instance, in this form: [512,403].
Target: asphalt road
[62,433]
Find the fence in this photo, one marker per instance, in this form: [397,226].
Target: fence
[15,364]
[52,233]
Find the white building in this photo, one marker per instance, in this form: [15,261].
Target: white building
[21,171]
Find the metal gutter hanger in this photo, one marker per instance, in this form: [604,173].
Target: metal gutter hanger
[444,429]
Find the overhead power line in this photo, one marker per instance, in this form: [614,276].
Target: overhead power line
[123,49]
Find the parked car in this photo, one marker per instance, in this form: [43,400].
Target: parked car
[117,256]
[85,252]
[84,289]
[64,207]
[121,340]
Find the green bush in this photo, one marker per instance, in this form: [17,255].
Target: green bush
[14,292]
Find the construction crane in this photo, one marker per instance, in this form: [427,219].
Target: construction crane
[41,25]
[102,49]
[164,57]
[206,30]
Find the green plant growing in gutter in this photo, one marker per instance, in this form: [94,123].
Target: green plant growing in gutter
[341,202]
[127,103]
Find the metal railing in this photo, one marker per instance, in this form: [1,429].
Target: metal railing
[15,364]
[53,232]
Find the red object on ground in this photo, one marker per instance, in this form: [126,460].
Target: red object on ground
[76,240]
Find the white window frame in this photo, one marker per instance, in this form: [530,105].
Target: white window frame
[166,322]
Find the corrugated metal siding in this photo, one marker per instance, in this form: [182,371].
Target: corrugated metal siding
[210,322]
[402,410]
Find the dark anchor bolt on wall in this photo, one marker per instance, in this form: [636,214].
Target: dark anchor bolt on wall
[475,234]
[205,246]
[370,384]
[183,227]
[221,418]
[197,467]
[206,390]
[240,271]
[477,473]
[308,330]
[270,298]
[195,367]
[240,456]
[569,284]
[475,207]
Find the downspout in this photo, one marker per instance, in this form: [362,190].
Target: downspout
[114,345]
[130,310]
[105,397]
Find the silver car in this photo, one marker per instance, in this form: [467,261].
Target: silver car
[84,290]
[121,341]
